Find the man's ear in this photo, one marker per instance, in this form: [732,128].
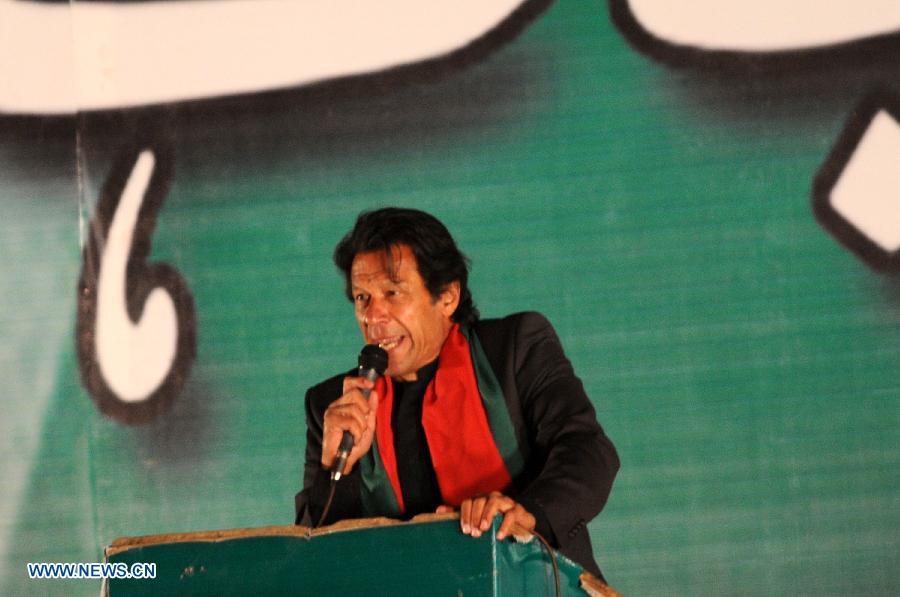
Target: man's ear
[448,300]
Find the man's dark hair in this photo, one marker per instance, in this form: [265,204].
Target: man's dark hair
[439,260]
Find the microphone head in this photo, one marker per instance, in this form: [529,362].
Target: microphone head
[373,357]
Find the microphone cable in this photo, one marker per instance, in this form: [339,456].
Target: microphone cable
[545,545]
[327,503]
[373,361]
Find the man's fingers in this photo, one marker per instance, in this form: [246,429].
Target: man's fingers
[373,409]
[359,421]
[509,519]
[465,515]
[353,398]
[358,383]
[516,520]
[362,441]
[349,419]
[476,515]
[491,507]
[350,405]
[478,505]
[351,413]
[497,503]
[337,422]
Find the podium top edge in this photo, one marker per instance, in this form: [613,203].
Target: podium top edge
[126,543]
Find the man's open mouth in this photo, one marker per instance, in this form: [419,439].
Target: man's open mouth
[390,343]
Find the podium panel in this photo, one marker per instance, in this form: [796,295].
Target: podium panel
[425,556]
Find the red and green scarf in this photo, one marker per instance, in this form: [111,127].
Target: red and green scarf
[467,425]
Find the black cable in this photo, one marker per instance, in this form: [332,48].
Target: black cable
[327,503]
[550,552]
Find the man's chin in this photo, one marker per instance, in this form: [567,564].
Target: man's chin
[400,373]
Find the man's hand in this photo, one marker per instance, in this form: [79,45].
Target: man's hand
[351,412]
[476,514]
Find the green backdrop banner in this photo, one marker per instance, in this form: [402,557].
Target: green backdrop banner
[711,229]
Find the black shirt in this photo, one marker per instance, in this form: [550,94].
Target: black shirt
[415,470]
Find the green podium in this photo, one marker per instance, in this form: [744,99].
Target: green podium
[376,556]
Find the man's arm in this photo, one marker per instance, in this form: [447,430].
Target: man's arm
[310,502]
[575,462]
[570,463]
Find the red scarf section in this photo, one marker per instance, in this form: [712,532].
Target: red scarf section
[465,457]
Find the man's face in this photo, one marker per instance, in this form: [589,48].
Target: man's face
[394,309]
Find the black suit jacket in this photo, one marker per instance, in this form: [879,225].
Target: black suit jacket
[570,464]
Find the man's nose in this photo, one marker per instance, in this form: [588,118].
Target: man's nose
[376,312]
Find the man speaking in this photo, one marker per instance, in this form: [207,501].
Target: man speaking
[483,416]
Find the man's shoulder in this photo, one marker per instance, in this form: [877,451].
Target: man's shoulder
[505,337]
[513,325]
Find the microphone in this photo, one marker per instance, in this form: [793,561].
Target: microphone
[373,361]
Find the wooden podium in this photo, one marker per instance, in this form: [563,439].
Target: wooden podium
[375,556]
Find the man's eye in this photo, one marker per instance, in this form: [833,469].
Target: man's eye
[360,298]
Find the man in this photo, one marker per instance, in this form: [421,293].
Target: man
[481,416]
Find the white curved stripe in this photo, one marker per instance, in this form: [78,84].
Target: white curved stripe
[134,359]
[57,58]
[765,25]
[867,194]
